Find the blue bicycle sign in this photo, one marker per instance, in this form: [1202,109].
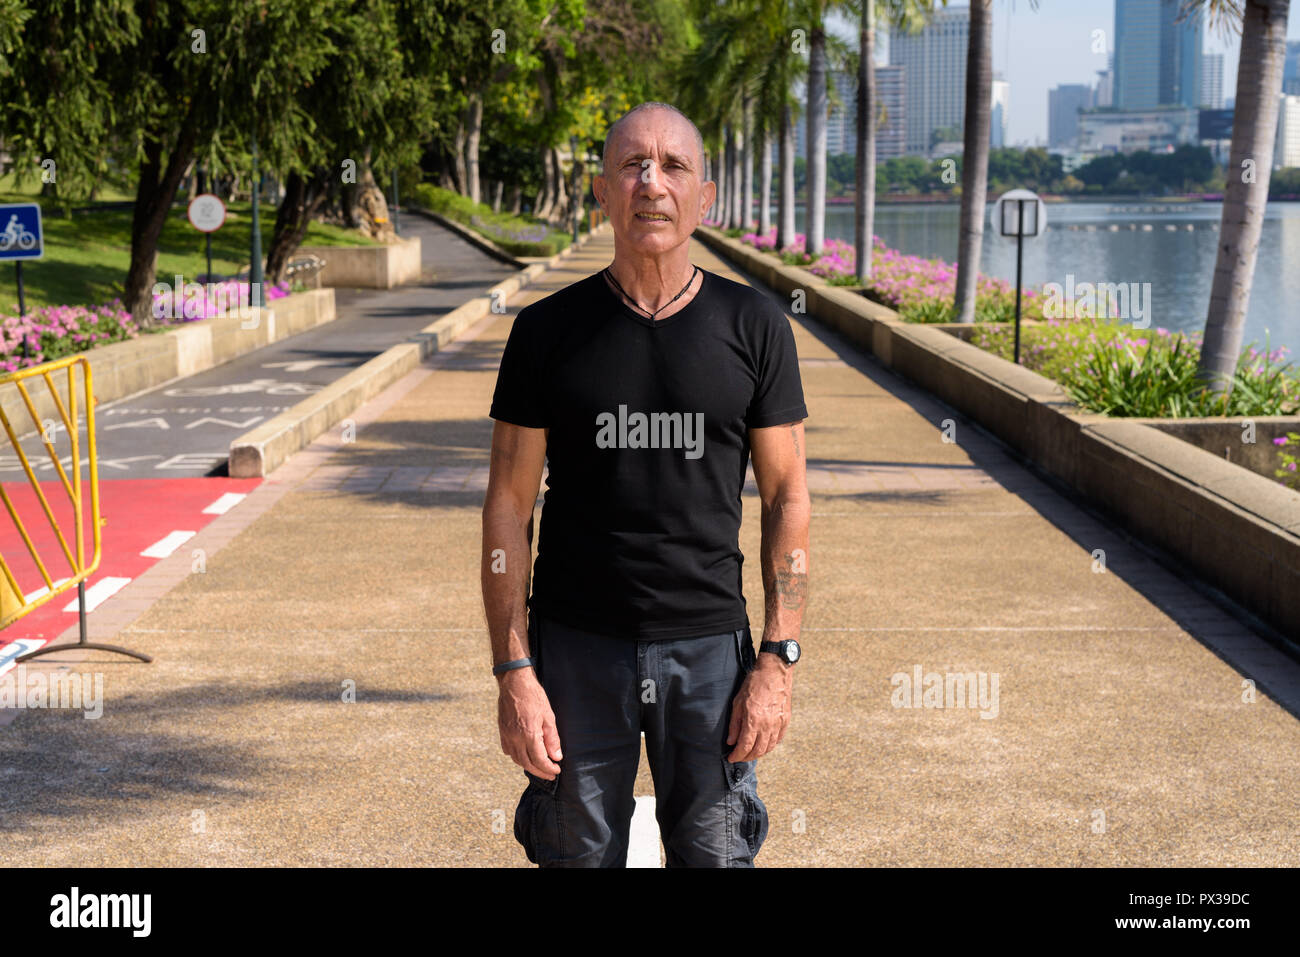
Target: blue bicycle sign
[20,231]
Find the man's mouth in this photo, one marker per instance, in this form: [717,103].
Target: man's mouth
[654,217]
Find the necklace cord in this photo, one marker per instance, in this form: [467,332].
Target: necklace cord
[694,270]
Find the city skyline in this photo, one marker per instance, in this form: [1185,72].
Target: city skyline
[1037,50]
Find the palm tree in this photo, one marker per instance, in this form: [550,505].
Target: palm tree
[815,190]
[864,206]
[740,74]
[1259,83]
[975,156]
[864,221]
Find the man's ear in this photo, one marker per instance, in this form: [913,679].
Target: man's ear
[598,187]
[708,194]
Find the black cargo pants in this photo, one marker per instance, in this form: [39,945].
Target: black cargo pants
[605,692]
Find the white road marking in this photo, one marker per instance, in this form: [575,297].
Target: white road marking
[99,593]
[154,423]
[42,591]
[224,504]
[298,365]
[226,422]
[165,546]
[643,841]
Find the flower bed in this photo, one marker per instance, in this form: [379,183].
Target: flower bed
[53,332]
[919,290]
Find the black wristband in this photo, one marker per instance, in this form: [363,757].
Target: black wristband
[511,665]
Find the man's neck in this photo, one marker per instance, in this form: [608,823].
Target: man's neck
[652,284]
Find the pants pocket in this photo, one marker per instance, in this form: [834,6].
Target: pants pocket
[537,820]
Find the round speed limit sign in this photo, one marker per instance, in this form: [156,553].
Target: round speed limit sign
[207,213]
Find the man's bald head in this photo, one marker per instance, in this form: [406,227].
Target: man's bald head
[653,105]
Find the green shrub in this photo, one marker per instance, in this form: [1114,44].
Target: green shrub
[517,235]
[1104,369]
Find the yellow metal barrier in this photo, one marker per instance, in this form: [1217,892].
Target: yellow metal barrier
[13,603]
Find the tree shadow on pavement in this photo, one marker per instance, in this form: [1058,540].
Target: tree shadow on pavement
[60,765]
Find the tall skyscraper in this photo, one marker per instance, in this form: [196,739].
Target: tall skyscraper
[935,63]
[1105,91]
[892,97]
[1212,81]
[1286,145]
[1063,106]
[998,117]
[841,124]
[1157,55]
[1291,69]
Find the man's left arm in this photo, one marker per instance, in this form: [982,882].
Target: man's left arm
[761,711]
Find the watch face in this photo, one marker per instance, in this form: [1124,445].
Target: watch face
[792,651]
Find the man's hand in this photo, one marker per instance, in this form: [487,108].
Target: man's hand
[760,712]
[527,724]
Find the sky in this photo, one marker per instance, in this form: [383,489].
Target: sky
[1037,49]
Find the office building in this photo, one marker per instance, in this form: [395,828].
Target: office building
[1127,131]
[1157,55]
[934,61]
[1291,69]
[1286,147]
[1212,81]
[998,113]
[841,123]
[1063,106]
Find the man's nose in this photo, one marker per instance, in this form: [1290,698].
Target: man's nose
[650,180]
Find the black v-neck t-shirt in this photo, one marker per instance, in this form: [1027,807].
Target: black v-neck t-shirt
[647,450]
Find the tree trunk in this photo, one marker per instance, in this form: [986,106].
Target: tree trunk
[516,200]
[815,210]
[156,187]
[542,202]
[737,176]
[459,172]
[561,192]
[473,129]
[1245,194]
[496,196]
[747,166]
[724,181]
[765,184]
[975,156]
[864,207]
[303,198]
[785,231]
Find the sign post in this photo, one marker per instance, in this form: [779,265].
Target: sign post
[1019,213]
[20,239]
[207,214]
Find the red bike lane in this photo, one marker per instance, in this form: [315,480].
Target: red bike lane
[144,520]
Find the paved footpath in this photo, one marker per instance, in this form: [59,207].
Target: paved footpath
[1119,735]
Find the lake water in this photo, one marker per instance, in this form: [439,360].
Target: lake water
[1178,263]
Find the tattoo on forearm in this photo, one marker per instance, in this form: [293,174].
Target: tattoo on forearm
[794,434]
[792,583]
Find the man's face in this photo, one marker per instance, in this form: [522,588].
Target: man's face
[653,190]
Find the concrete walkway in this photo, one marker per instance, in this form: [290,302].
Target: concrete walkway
[1120,737]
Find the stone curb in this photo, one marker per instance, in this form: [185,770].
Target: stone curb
[259,452]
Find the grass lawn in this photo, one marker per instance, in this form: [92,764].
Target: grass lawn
[87,255]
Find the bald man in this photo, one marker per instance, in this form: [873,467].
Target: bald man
[646,387]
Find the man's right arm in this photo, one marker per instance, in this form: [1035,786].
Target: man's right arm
[527,723]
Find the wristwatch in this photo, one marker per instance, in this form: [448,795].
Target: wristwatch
[787,651]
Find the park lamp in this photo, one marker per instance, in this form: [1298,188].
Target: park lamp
[1019,214]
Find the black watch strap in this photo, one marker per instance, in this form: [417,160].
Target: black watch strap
[511,665]
[778,648]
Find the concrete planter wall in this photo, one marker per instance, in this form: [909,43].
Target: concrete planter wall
[125,368]
[368,267]
[1237,530]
